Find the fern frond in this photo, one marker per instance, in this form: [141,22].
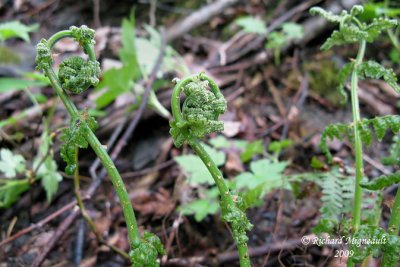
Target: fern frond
[337,196]
[347,35]
[74,136]
[333,131]
[146,253]
[76,75]
[378,25]
[351,30]
[382,181]
[379,124]
[389,244]
[344,73]
[329,16]
[200,112]
[374,70]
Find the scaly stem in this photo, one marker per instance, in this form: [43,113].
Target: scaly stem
[91,138]
[357,143]
[86,216]
[226,197]
[105,159]
[394,225]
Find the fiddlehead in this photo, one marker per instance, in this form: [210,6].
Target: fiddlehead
[200,111]
[76,75]
[199,117]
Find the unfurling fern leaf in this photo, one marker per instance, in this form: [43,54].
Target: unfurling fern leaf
[332,131]
[374,70]
[329,16]
[351,30]
[379,25]
[339,131]
[382,181]
[73,137]
[343,76]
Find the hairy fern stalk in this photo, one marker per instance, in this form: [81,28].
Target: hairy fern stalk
[199,117]
[76,75]
[352,30]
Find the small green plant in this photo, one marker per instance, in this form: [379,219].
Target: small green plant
[20,173]
[352,30]
[263,176]
[276,39]
[76,75]
[197,118]
[138,56]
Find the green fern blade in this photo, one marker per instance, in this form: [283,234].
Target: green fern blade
[382,181]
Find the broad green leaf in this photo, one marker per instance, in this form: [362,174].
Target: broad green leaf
[246,180]
[241,144]
[128,52]
[220,142]
[252,149]
[10,163]
[292,30]
[196,171]
[116,82]
[9,84]
[275,40]
[148,54]
[316,163]
[252,25]
[48,170]
[200,208]
[377,9]
[15,28]
[266,167]
[119,80]
[278,146]
[263,172]
[50,177]
[11,190]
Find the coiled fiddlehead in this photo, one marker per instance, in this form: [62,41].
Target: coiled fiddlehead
[199,117]
[76,75]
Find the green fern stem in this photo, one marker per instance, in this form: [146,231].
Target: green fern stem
[358,192]
[357,139]
[226,197]
[45,64]
[183,129]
